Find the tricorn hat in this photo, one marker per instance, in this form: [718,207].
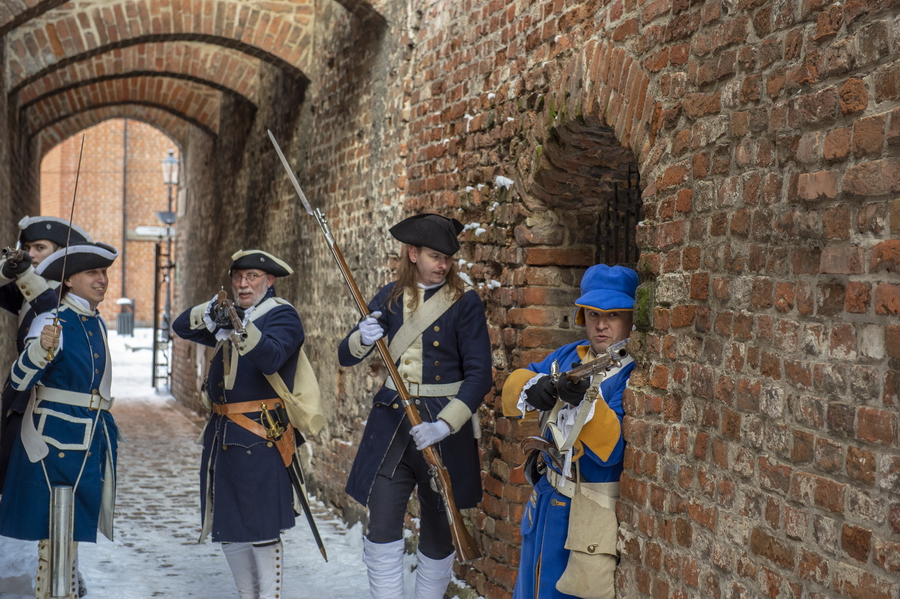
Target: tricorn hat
[431,230]
[260,260]
[51,228]
[78,258]
[606,289]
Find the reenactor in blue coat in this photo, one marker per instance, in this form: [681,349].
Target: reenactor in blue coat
[27,294]
[438,337]
[246,495]
[68,437]
[569,525]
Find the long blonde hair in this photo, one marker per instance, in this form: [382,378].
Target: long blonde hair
[408,278]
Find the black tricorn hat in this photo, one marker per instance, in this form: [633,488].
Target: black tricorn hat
[260,260]
[51,228]
[78,258]
[431,230]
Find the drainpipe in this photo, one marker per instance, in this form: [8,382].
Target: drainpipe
[124,261]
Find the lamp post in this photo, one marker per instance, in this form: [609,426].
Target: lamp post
[170,179]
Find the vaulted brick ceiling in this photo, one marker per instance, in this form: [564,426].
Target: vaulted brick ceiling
[71,65]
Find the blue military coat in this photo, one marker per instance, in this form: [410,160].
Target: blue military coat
[27,296]
[75,435]
[246,494]
[456,347]
[599,451]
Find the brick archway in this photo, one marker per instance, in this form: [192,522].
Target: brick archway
[222,68]
[195,103]
[171,124]
[281,32]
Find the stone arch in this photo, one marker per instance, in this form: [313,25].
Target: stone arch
[195,103]
[171,124]
[12,15]
[276,32]
[222,68]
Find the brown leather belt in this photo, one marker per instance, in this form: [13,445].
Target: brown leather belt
[235,412]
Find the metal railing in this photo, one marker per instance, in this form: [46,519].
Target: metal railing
[617,225]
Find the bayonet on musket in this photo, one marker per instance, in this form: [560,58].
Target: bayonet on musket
[466,549]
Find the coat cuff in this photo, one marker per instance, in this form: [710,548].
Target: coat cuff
[248,344]
[456,414]
[512,389]
[37,355]
[31,284]
[356,347]
[197,314]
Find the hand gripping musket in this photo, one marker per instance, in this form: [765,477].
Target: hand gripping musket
[276,427]
[223,303]
[466,549]
[612,357]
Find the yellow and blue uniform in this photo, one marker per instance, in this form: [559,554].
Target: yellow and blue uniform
[599,452]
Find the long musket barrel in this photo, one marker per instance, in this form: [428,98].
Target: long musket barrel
[466,548]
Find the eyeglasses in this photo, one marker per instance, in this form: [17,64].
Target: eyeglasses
[250,276]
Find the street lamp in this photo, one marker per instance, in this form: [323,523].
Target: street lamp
[170,180]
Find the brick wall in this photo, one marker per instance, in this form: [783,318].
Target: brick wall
[111,169]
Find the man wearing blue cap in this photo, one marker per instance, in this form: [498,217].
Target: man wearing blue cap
[569,524]
[438,337]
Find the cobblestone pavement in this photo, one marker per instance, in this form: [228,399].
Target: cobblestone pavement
[156,554]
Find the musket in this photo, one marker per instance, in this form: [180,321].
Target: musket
[466,549]
[275,429]
[223,303]
[611,357]
[56,320]
[13,255]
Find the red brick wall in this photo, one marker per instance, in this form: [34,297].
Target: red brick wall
[99,203]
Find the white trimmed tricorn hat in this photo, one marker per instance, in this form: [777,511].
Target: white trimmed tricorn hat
[51,228]
[260,260]
[79,258]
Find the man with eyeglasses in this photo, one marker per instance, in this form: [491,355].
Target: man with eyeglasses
[245,492]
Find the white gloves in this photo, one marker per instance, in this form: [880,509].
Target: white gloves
[369,329]
[429,433]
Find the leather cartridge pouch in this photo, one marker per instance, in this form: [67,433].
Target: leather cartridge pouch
[591,541]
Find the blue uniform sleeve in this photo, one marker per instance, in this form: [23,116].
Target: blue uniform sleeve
[10,297]
[282,335]
[475,349]
[30,366]
[190,326]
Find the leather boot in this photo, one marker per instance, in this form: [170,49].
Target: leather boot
[268,569]
[243,568]
[433,576]
[384,562]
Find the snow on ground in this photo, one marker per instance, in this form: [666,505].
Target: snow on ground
[155,552]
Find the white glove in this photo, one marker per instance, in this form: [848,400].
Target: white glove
[370,330]
[429,433]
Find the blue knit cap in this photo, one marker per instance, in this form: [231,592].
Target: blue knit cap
[606,288]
